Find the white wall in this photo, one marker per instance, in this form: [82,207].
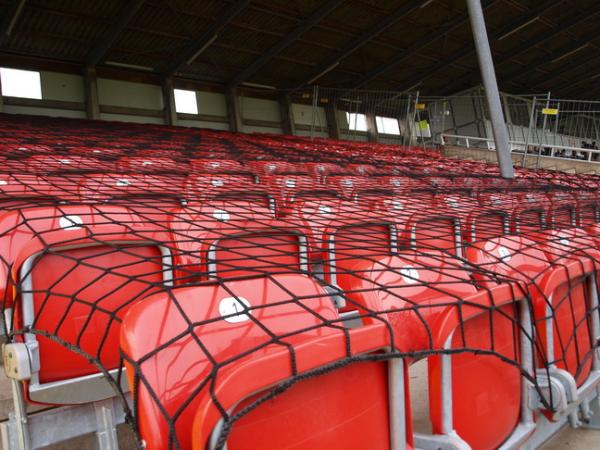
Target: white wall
[62,86]
[262,110]
[129,94]
[303,115]
[212,103]
[258,115]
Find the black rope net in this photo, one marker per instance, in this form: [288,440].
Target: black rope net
[228,286]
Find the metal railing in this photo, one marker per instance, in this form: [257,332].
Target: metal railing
[533,148]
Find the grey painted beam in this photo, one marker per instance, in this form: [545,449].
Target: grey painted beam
[486,65]
[168,95]
[288,123]
[361,40]
[11,21]
[372,133]
[234,114]
[333,126]
[288,40]
[406,53]
[90,82]
[206,38]
[104,43]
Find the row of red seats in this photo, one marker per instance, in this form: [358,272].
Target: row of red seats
[238,239]
[217,286]
[22,136]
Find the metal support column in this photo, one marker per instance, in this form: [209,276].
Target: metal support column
[170,109]
[287,115]
[233,110]
[372,133]
[486,65]
[332,123]
[91,93]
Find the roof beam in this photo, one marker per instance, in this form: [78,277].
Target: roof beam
[361,40]
[289,39]
[104,43]
[11,20]
[553,74]
[469,80]
[415,48]
[468,49]
[581,78]
[205,39]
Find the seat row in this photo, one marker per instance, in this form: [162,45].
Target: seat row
[74,271]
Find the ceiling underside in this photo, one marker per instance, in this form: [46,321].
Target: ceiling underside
[398,45]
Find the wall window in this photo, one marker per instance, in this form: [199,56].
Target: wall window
[21,83]
[387,125]
[356,121]
[185,102]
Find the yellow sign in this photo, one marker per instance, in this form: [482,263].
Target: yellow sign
[550,112]
[420,106]
[423,125]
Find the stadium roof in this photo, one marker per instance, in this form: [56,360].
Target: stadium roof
[381,44]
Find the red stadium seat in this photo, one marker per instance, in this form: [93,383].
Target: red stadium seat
[156,189]
[289,188]
[219,166]
[234,238]
[272,306]
[77,269]
[151,165]
[60,164]
[203,187]
[266,168]
[348,186]
[438,226]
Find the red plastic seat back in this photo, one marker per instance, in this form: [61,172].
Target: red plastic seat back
[506,259]
[530,220]
[110,186]
[230,239]
[437,227]
[175,373]
[348,186]
[346,241]
[486,224]
[288,188]
[221,166]
[151,165]
[80,269]
[62,164]
[478,378]
[266,168]
[204,187]
[71,296]
[571,311]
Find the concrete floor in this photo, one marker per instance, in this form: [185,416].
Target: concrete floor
[569,438]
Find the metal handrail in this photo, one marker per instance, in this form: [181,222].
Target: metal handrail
[552,147]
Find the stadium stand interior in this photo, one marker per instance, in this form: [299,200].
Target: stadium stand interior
[275,225]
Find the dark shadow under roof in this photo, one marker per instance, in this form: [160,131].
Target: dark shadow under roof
[427,45]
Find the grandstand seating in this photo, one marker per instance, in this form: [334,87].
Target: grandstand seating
[231,285]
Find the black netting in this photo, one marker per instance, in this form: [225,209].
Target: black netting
[242,280]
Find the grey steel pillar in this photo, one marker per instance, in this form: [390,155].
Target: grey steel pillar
[486,65]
